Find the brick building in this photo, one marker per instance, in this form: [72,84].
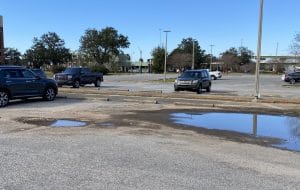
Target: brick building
[1,41]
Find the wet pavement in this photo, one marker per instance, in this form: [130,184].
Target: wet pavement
[68,123]
[284,128]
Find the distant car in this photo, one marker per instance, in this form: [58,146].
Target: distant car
[78,76]
[215,74]
[292,77]
[39,72]
[21,83]
[194,80]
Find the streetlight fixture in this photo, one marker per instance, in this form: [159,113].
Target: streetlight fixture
[257,93]
[166,49]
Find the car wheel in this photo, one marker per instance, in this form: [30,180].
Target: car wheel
[214,77]
[49,94]
[292,81]
[4,98]
[199,90]
[76,84]
[208,89]
[97,83]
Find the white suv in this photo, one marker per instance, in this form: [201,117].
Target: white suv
[215,74]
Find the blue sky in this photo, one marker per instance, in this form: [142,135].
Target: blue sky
[224,23]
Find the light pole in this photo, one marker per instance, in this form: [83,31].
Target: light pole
[160,37]
[166,50]
[211,56]
[193,61]
[257,93]
[131,61]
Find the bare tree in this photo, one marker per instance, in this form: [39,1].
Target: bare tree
[180,61]
[295,46]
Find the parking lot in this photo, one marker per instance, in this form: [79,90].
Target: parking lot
[232,84]
[115,151]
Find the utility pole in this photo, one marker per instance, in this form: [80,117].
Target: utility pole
[257,93]
[193,61]
[141,59]
[277,49]
[131,61]
[211,56]
[166,50]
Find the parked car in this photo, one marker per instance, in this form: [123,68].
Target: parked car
[21,83]
[39,72]
[215,74]
[194,80]
[292,77]
[78,76]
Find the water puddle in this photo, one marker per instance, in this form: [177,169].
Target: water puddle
[68,123]
[285,128]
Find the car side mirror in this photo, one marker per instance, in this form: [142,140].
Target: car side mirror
[37,77]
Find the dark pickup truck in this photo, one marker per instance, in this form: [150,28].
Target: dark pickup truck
[78,76]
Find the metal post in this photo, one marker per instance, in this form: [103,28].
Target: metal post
[166,50]
[193,61]
[257,93]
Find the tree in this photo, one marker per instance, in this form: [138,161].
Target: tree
[48,49]
[12,56]
[245,55]
[158,55]
[104,44]
[295,47]
[234,59]
[184,53]
[180,60]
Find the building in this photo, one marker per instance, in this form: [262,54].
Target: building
[1,41]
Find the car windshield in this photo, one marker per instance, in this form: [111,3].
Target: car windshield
[190,75]
[71,70]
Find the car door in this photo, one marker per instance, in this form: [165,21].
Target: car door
[205,79]
[86,74]
[34,84]
[15,82]
[83,76]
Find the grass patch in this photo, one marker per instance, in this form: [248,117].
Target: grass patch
[167,80]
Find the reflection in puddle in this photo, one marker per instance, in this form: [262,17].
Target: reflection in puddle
[283,127]
[68,123]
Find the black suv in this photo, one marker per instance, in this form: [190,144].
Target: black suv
[292,77]
[21,83]
[78,76]
[194,80]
